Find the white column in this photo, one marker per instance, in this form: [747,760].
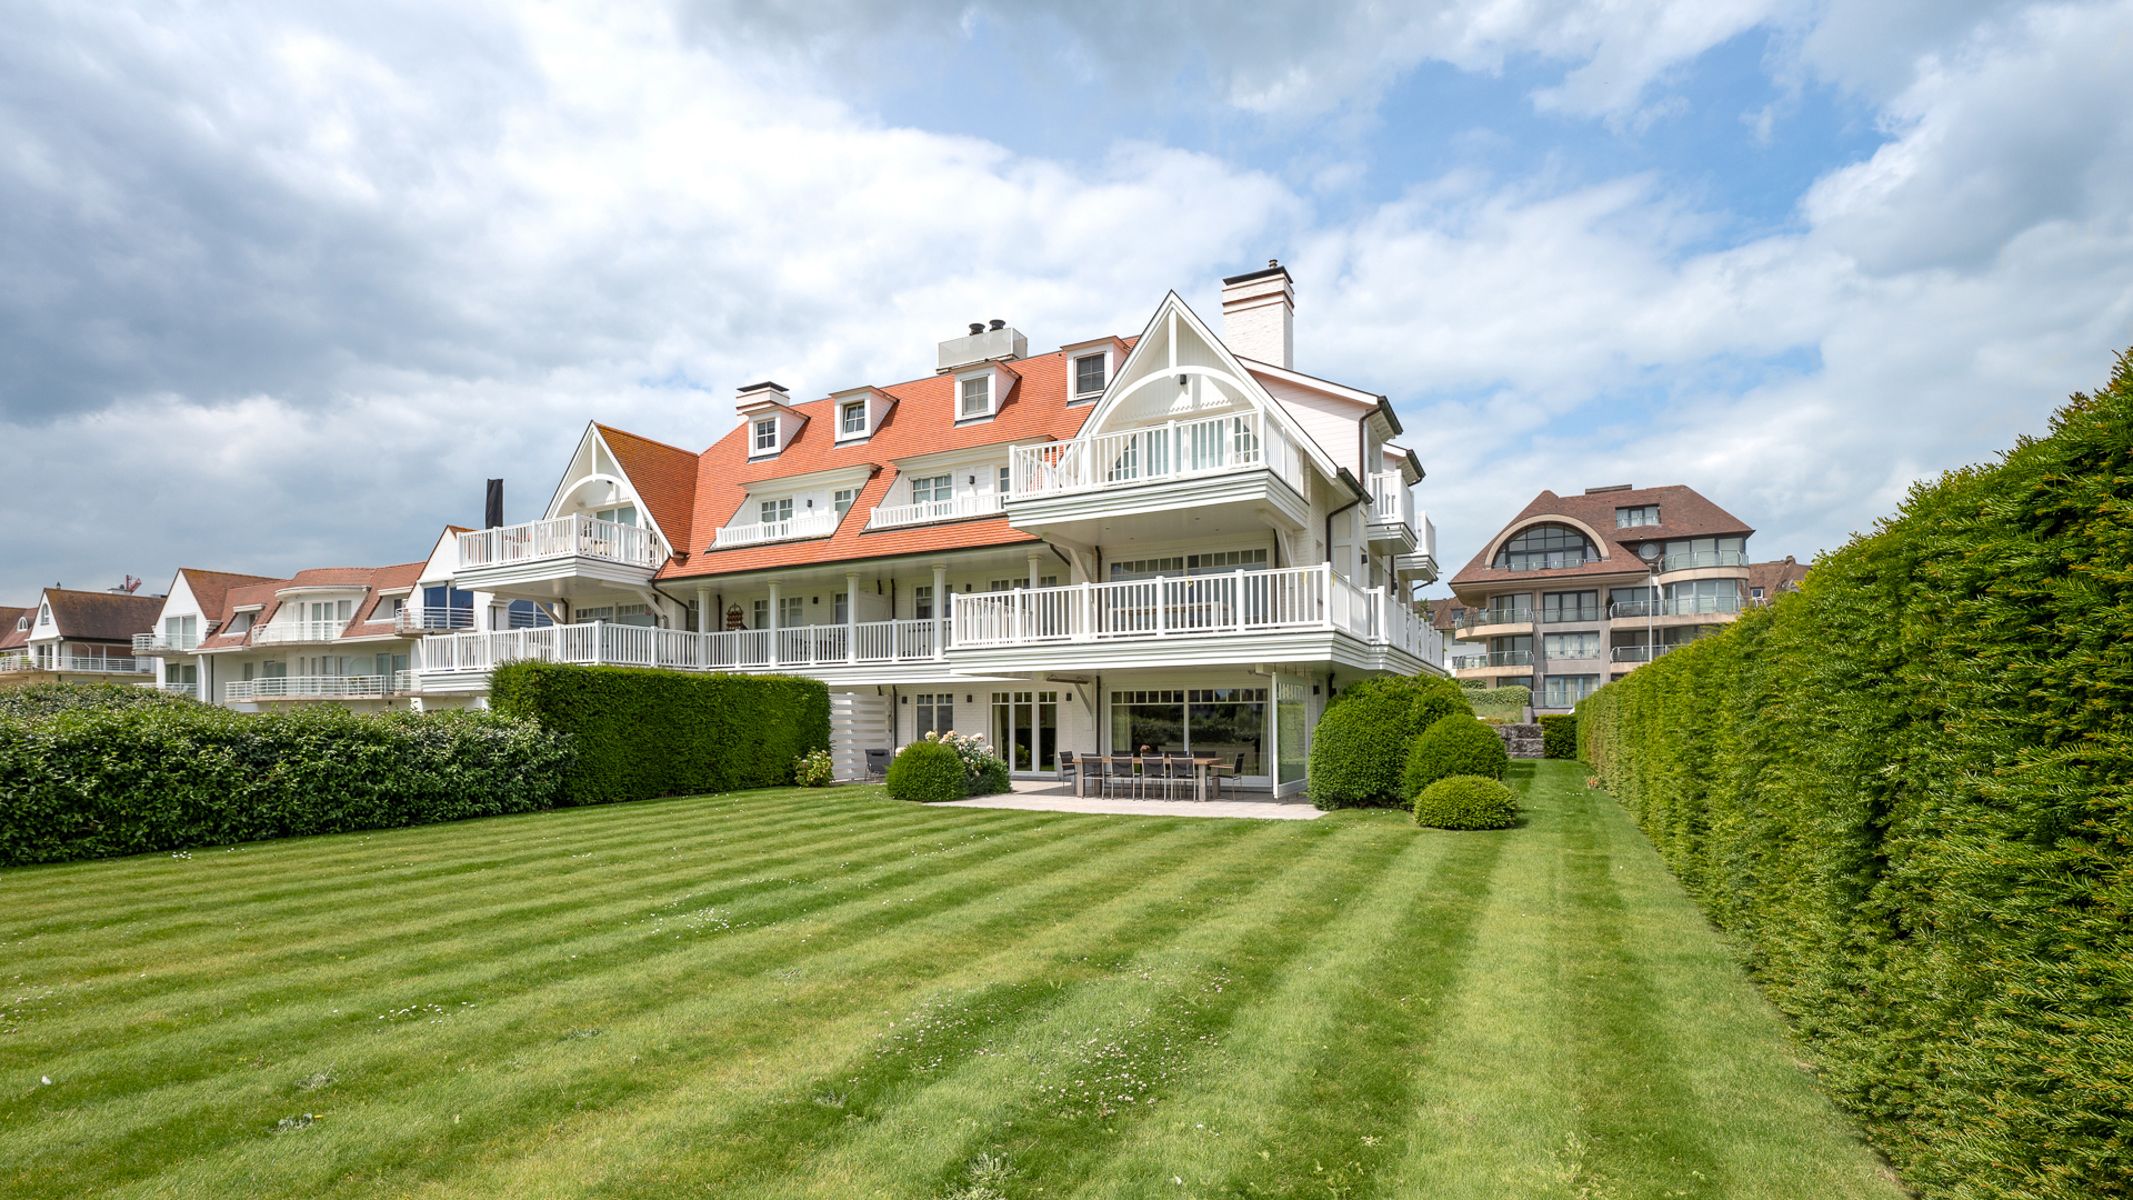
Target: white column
[851,616]
[772,624]
[940,608]
[703,610]
[1033,575]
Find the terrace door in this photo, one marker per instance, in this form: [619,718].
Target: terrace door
[1025,730]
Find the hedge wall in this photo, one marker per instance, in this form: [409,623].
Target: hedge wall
[1559,735]
[99,779]
[1908,790]
[641,733]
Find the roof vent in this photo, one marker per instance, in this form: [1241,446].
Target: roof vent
[998,343]
[1612,487]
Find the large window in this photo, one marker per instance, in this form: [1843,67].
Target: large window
[1570,645]
[1570,606]
[1219,722]
[1681,554]
[843,499]
[1703,596]
[1088,377]
[1213,562]
[926,489]
[922,602]
[619,614]
[621,514]
[446,607]
[1545,547]
[1635,516]
[1564,691]
[936,712]
[1025,729]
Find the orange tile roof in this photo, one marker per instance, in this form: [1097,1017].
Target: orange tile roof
[664,476]
[372,579]
[211,591]
[921,421]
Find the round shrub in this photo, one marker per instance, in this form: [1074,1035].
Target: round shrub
[1361,742]
[927,772]
[1466,802]
[1456,745]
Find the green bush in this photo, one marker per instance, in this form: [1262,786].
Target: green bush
[1466,802]
[92,782]
[46,699]
[1456,745]
[814,769]
[1360,746]
[1559,735]
[1501,705]
[641,733]
[1907,790]
[927,773]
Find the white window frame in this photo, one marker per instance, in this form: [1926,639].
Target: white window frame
[1074,393]
[843,499]
[782,506]
[756,446]
[845,411]
[938,488]
[962,405]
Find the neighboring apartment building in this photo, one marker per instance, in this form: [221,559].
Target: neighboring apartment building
[1577,590]
[1173,539]
[75,636]
[342,635]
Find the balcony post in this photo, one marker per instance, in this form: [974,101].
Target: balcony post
[940,609]
[1239,600]
[772,622]
[1162,619]
[597,627]
[851,616]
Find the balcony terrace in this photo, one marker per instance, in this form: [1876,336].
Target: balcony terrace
[546,557]
[318,687]
[819,523]
[865,644]
[73,664]
[980,504]
[150,644]
[1393,519]
[1232,460]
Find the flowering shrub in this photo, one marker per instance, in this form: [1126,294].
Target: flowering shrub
[813,769]
[986,771]
[946,766]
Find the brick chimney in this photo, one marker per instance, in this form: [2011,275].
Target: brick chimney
[1259,315]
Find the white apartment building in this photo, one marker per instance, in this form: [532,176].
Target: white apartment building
[341,635]
[75,636]
[1174,539]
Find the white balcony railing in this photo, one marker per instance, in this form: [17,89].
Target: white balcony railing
[600,643]
[1392,502]
[1174,450]
[1475,618]
[156,643]
[411,619]
[284,632]
[1239,602]
[74,664]
[819,523]
[577,536]
[317,687]
[979,504]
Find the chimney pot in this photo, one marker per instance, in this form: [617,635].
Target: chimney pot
[976,328]
[997,323]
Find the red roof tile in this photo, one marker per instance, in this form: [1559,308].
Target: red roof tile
[373,580]
[10,637]
[102,616]
[921,421]
[211,590]
[664,476]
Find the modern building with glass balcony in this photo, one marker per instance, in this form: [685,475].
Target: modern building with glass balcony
[1577,590]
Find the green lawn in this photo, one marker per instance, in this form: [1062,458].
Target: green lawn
[833,994]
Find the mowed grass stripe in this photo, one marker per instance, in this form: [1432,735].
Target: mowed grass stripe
[1111,1053]
[666,1047]
[147,1104]
[1724,1049]
[303,932]
[164,888]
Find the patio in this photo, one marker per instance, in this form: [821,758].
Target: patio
[1044,795]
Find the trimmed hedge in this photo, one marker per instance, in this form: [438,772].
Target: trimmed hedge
[94,781]
[46,699]
[641,733]
[1559,735]
[1908,792]
[1455,745]
[1359,750]
[927,773]
[1466,802]
[1500,705]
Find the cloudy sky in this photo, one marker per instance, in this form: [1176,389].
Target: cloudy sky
[280,287]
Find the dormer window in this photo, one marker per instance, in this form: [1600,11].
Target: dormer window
[1089,377]
[1636,515]
[974,397]
[852,419]
[766,436]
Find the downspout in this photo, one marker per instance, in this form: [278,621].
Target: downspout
[1360,496]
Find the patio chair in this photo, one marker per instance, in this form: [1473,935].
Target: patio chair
[1066,769]
[877,764]
[1229,778]
[1118,773]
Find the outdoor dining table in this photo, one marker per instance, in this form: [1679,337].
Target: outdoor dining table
[1202,769]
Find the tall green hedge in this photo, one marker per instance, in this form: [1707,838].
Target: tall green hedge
[1908,790]
[97,779]
[1559,735]
[643,733]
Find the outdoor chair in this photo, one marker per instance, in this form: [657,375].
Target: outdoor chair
[877,764]
[1067,769]
[1229,778]
[1118,773]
